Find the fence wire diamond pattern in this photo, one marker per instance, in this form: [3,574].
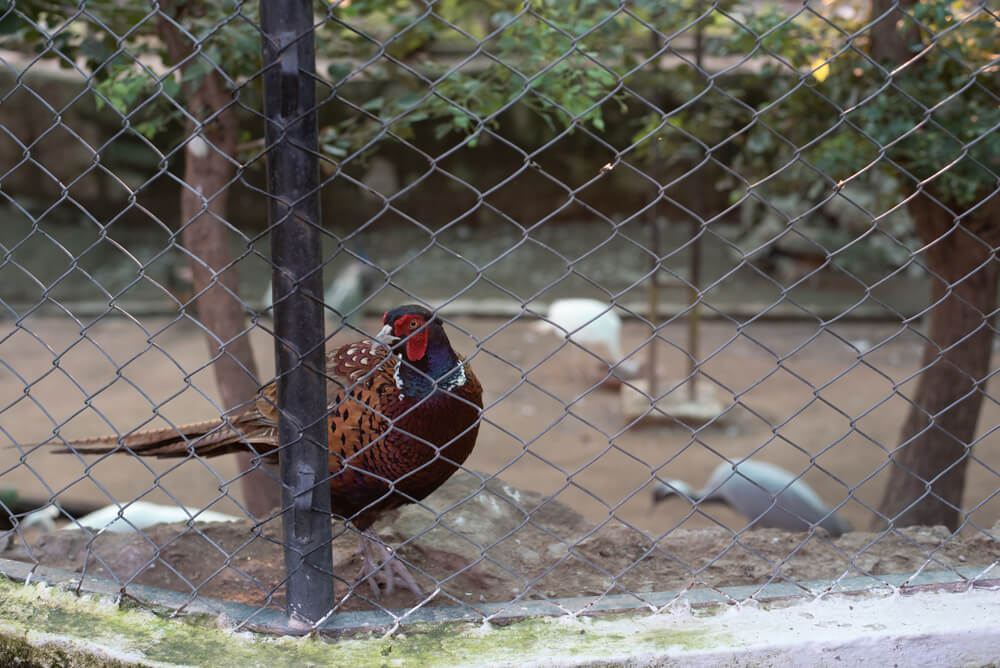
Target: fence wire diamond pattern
[667,239]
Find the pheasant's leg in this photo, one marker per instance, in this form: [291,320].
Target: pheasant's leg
[369,566]
[385,567]
[392,567]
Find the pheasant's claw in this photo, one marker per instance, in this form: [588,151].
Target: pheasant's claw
[397,566]
[369,567]
[383,570]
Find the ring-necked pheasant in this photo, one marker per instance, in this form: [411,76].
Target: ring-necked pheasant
[403,415]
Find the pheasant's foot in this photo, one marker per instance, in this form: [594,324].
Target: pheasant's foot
[380,566]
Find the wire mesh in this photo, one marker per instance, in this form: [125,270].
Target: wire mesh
[675,243]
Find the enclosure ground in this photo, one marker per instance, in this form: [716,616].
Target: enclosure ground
[557,554]
[547,437]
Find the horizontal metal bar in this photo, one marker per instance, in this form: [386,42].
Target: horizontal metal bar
[505,308]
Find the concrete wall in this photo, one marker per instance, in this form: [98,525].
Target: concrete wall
[43,625]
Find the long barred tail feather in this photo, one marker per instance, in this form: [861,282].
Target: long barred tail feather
[206,439]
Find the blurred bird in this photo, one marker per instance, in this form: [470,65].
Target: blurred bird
[765,494]
[588,322]
[141,514]
[129,517]
[45,518]
[346,293]
[403,415]
[37,512]
[8,497]
[350,289]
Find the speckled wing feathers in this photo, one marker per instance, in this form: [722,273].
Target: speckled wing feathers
[357,420]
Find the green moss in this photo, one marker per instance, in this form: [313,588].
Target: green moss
[19,653]
[44,626]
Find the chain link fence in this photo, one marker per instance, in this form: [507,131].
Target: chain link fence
[726,273]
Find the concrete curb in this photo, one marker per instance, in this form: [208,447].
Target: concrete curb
[940,618]
[41,624]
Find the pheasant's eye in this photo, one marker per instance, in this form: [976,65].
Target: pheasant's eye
[413,324]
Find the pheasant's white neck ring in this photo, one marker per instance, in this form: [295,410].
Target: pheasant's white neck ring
[454,379]
[395,374]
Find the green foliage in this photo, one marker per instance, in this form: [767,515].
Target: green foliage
[125,87]
[135,74]
[805,92]
[934,120]
[944,119]
[565,60]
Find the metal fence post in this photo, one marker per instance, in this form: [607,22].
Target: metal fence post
[293,181]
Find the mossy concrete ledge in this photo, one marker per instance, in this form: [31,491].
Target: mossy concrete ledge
[42,625]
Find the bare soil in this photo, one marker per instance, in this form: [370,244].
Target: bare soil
[494,543]
[572,515]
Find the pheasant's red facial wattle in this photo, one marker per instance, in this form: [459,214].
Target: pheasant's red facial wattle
[407,326]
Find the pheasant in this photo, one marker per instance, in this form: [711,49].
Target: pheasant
[403,415]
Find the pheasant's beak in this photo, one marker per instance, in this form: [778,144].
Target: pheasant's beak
[385,336]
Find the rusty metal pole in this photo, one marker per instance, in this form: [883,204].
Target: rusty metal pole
[293,182]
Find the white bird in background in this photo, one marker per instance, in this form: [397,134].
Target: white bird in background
[588,322]
[349,289]
[129,517]
[346,293]
[142,514]
[767,495]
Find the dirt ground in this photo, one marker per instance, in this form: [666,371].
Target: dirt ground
[795,394]
[493,545]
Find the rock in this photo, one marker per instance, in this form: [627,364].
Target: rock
[990,536]
[927,535]
[466,518]
[484,512]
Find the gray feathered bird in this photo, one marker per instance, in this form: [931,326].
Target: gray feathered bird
[767,495]
[350,287]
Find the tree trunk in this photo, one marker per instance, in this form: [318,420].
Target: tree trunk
[893,34]
[927,476]
[209,169]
